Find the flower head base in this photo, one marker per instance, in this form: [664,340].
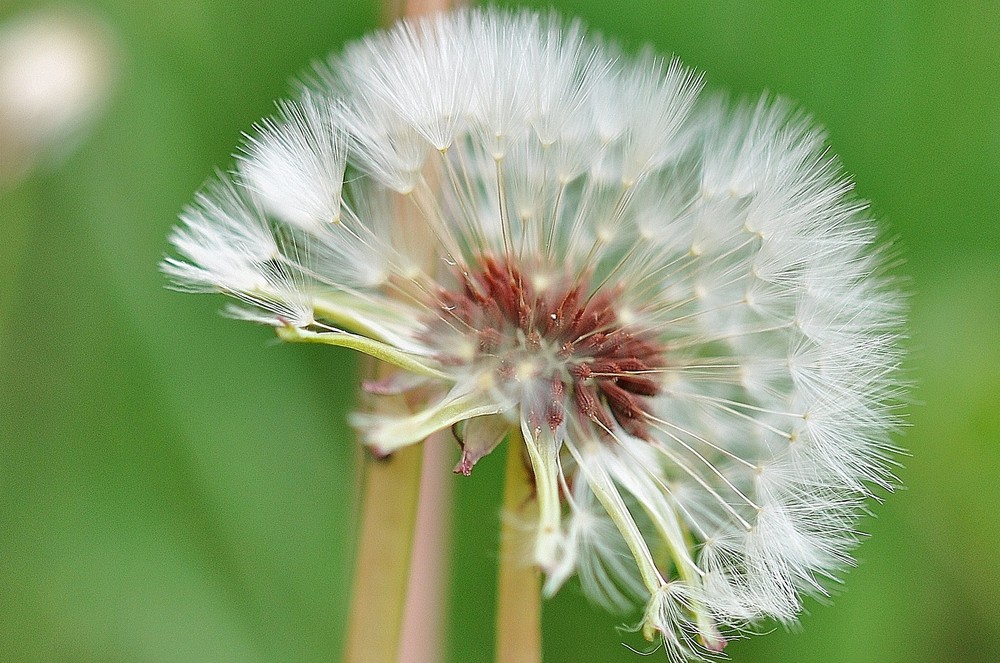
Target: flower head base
[676,303]
[548,345]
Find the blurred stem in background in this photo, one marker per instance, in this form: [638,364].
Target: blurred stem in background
[393,10]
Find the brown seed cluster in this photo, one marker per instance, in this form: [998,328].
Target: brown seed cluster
[604,370]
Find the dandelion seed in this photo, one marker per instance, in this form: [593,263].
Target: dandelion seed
[675,300]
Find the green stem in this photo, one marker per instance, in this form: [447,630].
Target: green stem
[382,566]
[519,605]
[368,346]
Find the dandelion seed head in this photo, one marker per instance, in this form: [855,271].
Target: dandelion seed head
[673,297]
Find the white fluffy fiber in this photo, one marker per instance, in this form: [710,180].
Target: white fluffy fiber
[729,228]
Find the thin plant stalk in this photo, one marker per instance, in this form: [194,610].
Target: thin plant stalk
[519,608]
[395,9]
[422,639]
[382,566]
[382,606]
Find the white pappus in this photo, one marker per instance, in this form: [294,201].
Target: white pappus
[674,299]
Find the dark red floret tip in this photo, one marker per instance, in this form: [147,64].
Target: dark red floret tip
[609,368]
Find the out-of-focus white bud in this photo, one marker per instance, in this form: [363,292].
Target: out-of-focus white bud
[56,69]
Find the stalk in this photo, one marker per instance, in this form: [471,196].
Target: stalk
[386,601]
[519,605]
[422,639]
[382,566]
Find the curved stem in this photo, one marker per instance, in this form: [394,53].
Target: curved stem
[519,605]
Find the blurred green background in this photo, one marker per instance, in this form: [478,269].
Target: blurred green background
[176,487]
